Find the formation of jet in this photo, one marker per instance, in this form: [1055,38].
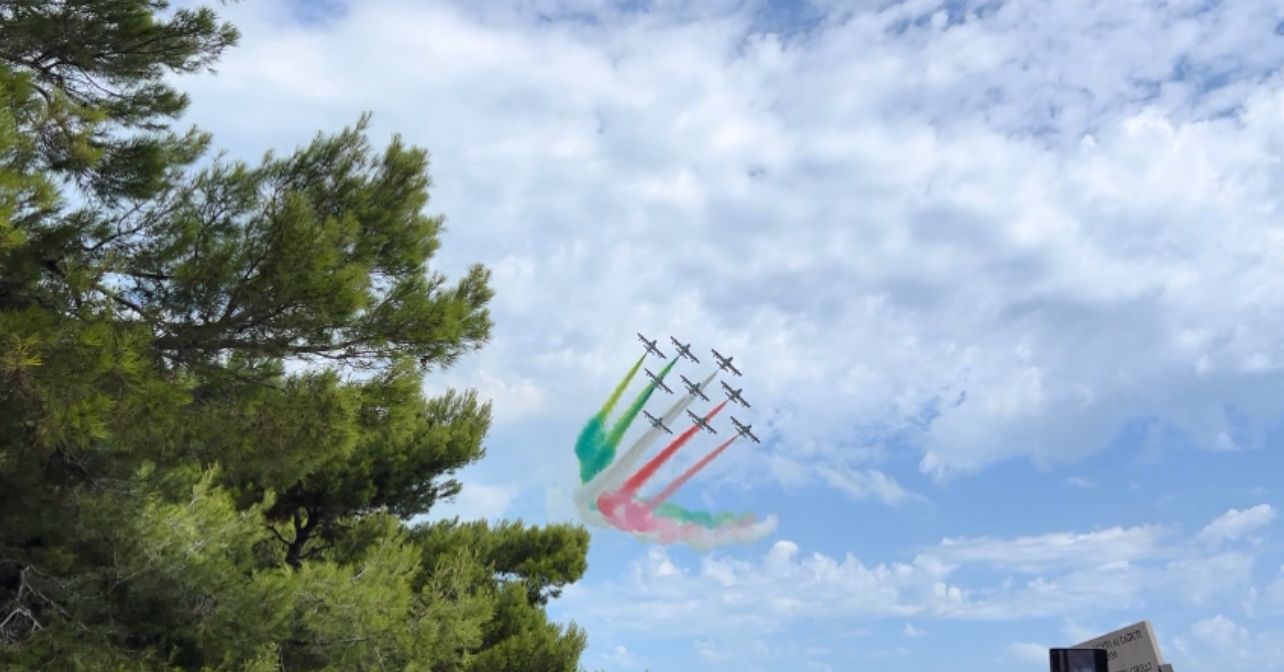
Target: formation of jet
[702,423]
[656,422]
[742,429]
[724,363]
[650,346]
[658,383]
[684,350]
[734,394]
[693,388]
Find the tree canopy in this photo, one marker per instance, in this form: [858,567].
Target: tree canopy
[213,431]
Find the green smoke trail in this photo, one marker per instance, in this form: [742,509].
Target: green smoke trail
[703,518]
[615,473]
[624,384]
[590,444]
[622,425]
[595,448]
[605,451]
[593,440]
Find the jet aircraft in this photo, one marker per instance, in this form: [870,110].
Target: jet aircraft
[650,346]
[656,422]
[658,383]
[684,350]
[724,363]
[743,430]
[734,394]
[694,388]
[702,423]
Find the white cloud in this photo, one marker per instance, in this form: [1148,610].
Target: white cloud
[511,399]
[1219,642]
[911,631]
[989,238]
[1036,554]
[477,501]
[1234,524]
[1067,575]
[867,483]
[1219,632]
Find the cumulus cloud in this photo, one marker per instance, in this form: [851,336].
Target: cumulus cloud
[1034,554]
[1070,575]
[984,231]
[1219,642]
[477,501]
[1235,523]
[866,484]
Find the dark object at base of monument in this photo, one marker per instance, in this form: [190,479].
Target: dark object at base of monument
[1078,660]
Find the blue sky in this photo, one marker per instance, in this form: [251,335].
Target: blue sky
[1006,280]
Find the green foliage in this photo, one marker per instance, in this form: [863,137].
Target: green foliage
[520,638]
[212,421]
[99,66]
[542,560]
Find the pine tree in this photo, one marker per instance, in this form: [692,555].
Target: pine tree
[212,426]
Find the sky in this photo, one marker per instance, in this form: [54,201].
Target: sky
[1005,280]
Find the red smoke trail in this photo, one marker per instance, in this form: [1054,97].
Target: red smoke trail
[638,479]
[686,475]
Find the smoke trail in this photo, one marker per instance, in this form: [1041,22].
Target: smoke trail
[671,510]
[629,515]
[622,425]
[590,444]
[604,447]
[678,482]
[614,474]
[637,480]
[593,439]
[703,539]
[619,389]
[604,499]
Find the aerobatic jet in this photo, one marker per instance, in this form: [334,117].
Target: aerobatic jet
[650,346]
[743,430]
[684,350]
[658,383]
[693,388]
[702,423]
[734,394]
[724,363]
[656,422]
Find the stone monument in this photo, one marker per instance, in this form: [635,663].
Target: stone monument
[1130,649]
